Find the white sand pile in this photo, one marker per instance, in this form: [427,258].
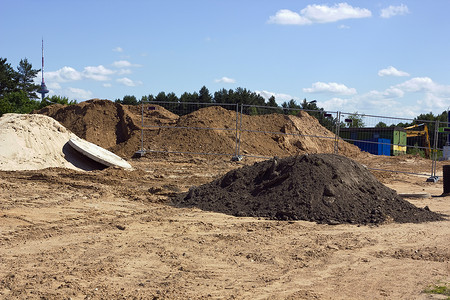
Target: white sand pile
[32,142]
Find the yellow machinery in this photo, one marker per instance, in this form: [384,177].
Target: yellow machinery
[423,132]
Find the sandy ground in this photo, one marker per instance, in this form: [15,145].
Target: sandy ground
[111,234]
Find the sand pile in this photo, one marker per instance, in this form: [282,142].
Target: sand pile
[110,125]
[323,188]
[32,142]
[116,127]
[300,134]
[101,122]
[190,135]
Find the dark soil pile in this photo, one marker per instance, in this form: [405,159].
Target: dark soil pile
[323,188]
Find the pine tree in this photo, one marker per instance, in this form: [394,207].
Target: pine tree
[25,75]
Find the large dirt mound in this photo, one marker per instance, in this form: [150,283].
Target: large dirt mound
[212,129]
[110,125]
[101,122]
[263,135]
[323,188]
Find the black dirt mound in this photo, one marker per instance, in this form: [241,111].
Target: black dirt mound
[324,188]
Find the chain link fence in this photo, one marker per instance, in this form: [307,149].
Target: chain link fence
[239,130]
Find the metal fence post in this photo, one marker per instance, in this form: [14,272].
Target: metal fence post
[433,177]
[142,126]
[240,129]
[141,152]
[237,156]
[336,133]
[236,152]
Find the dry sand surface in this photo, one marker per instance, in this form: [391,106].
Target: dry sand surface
[111,234]
[34,142]
[114,234]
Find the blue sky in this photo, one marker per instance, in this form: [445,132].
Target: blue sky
[375,57]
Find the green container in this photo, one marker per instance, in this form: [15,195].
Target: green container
[396,134]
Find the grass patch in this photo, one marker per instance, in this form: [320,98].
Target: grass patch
[439,289]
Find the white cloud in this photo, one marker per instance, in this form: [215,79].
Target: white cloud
[319,14]
[288,17]
[407,99]
[69,74]
[64,74]
[391,71]
[331,87]
[54,86]
[99,73]
[124,64]
[393,92]
[118,49]
[107,85]
[279,97]
[343,27]
[421,84]
[124,71]
[335,104]
[225,80]
[392,11]
[432,101]
[128,82]
[78,94]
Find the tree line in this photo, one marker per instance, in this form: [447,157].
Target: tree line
[18,92]
[256,104]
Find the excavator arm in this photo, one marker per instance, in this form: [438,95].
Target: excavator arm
[424,133]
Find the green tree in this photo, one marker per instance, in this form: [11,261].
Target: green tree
[356,121]
[8,78]
[56,100]
[222,96]
[272,102]
[204,96]
[129,100]
[291,107]
[25,76]
[244,96]
[309,105]
[148,98]
[161,97]
[381,125]
[5,106]
[172,97]
[185,108]
[17,102]
[188,97]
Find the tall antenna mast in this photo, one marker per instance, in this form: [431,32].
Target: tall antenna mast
[43,90]
[42,60]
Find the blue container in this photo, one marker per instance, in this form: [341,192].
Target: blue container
[375,146]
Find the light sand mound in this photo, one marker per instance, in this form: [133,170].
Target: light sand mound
[33,142]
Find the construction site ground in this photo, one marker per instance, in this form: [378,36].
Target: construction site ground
[111,234]
[66,233]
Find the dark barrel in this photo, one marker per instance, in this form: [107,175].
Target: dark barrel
[446,169]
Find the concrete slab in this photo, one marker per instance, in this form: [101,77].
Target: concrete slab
[98,153]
